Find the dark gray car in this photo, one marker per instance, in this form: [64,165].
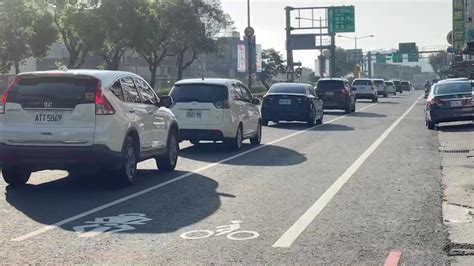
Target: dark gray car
[449,101]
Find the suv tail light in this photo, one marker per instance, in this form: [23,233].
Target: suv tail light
[5,95]
[102,105]
[222,104]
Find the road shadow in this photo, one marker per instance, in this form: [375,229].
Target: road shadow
[335,112]
[269,155]
[458,127]
[365,114]
[179,204]
[388,102]
[333,127]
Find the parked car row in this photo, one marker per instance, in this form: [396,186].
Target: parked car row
[110,121]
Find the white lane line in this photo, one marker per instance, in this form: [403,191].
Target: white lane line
[139,193]
[287,239]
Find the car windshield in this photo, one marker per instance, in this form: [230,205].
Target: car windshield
[330,85]
[454,87]
[204,93]
[288,89]
[362,82]
[378,82]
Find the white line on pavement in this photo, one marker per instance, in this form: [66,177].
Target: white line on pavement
[304,221]
[141,192]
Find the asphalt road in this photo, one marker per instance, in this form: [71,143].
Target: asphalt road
[350,191]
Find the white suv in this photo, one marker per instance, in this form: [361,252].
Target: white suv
[365,89]
[216,110]
[75,120]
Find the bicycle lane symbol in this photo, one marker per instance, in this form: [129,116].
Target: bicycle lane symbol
[111,224]
[229,230]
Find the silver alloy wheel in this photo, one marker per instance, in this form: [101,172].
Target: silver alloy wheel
[130,161]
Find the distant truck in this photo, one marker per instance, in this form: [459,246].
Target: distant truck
[419,80]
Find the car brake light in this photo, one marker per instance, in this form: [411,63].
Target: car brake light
[5,95]
[102,105]
[433,102]
[222,104]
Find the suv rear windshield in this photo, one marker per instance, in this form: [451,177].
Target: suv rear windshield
[53,92]
[405,83]
[363,82]
[330,85]
[203,93]
[378,82]
[455,87]
[389,83]
[288,89]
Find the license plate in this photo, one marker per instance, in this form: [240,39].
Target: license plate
[329,93]
[285,101]
[194,114]
[49,118]
[456,103]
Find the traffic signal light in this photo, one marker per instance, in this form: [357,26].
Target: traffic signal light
[299,72]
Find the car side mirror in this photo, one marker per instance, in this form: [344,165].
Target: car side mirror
[354,88]
[256,101]
[166,101]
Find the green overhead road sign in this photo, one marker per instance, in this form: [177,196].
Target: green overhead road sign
[407,48]
[341,19]
[380,58]
[413,57]
[397,58]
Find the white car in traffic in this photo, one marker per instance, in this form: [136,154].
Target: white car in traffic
[365,89]
[216,110]
[391,87]
[80,119]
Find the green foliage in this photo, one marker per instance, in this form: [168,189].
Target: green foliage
[273,64]
[439,63]
[27,30]
[77,24]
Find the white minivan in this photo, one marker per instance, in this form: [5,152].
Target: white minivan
[365,89]
[216,110]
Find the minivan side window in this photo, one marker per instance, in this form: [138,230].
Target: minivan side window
[247,96]
[148,95]
[116,89]
[236,93]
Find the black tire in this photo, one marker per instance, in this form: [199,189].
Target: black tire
[257,139]
[385,95]
[348,109]
[235,143]
[430,125]
[16,176]
[167,161]
[320,120]
[125,175]
[312,118]
[265,122]
[395,93]
[375,99]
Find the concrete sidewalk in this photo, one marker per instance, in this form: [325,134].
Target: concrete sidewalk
[457,164]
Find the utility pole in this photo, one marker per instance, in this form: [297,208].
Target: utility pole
[290,75]
[249,49]
[332,67]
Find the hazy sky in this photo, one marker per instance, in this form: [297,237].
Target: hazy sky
[391,21]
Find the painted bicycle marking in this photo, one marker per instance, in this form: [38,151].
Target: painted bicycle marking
[229,230]
[111,224]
